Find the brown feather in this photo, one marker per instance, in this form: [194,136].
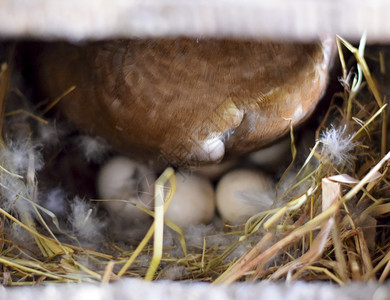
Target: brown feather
[164,98]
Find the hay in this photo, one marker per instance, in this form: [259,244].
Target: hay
[329,224]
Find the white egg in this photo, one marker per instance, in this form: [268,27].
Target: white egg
[122,181]
[243,193]
[214,171]
[193,201]
[273,154]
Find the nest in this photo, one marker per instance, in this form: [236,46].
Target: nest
[330,223]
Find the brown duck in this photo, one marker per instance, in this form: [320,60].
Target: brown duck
[186,101]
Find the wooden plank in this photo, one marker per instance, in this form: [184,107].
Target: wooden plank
[288,19]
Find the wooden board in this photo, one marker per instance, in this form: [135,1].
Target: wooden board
[264,19]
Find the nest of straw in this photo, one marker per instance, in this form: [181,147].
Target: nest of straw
[333,229]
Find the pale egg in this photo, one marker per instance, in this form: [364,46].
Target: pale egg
[243,193]
[214,171]
[272,155]
[123,182]
[193,201]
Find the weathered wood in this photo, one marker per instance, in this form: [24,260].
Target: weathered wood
[288,19]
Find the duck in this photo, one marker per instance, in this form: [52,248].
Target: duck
[185,101]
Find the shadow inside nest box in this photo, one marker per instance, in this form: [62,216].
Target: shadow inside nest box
[64,163]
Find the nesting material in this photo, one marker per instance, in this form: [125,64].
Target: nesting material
[243,193]
[193,201]
[122,183]
[86,226]
[94,148]
[337,146]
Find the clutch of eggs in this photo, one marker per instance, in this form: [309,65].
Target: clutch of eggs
[239,195]
[123,182]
